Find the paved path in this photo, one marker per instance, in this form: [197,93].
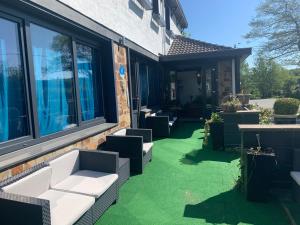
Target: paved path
[264,103]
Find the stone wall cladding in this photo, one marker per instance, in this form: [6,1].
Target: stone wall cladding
[91,143]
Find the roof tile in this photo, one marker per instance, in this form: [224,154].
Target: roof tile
[183,45]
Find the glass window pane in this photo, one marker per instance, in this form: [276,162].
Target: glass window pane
[13,109]
[89,83]
[143,84]
[53,70]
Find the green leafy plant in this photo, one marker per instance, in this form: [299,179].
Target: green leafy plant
[231,105]
[286,106]
[215,118]
[265,116]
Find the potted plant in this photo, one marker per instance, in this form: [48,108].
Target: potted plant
[231,105]
[216,129]
[260,164]
[244,98]
[286,110]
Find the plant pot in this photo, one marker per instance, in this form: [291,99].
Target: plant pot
[244,98]
[230,109]
[217,135]
[285,119]
[258,175]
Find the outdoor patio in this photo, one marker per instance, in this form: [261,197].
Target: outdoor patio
[189,184]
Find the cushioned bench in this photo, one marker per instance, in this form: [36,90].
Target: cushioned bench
[75,188]
[135,144]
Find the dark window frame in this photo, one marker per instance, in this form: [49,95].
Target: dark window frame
[24,20]
[99,80]
[21,42]
[168,17]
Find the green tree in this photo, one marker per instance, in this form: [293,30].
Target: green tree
[268,77]
[247,82]
[277,25]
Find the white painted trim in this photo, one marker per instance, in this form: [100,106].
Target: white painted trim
[233,77]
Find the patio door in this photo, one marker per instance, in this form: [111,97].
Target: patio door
[210,90]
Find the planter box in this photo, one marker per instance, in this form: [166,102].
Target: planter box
[217,135]
[285,119]
[232,135]
[258,175]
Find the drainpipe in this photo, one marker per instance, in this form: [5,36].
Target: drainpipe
[233,77]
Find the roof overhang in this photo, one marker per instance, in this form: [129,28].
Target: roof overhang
[177,9]
[243,53]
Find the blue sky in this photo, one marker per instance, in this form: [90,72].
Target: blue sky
[221,22]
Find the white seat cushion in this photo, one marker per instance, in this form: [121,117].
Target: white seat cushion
[66,208]
[121,132]
[147,147]
[32,185]
[64,166]
[296,176]
[153,114]
[87,182]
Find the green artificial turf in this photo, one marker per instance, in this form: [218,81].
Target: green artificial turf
[188,184]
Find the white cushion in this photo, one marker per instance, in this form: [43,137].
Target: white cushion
[121,132]
[153,114]
[147,147]
[296,176]
[64,166]
[32,185]
[66,208]
[87,182]
[171,123]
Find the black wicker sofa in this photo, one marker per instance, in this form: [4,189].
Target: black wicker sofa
[75,188]
[161,123]
[135,144]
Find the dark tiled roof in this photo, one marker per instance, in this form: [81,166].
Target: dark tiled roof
[182,45]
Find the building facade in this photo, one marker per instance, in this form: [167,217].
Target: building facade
[72,72]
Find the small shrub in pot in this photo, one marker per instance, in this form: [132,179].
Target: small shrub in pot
[286,106]
[231,105]
[285,110]
[216,129]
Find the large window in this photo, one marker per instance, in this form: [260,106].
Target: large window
[54,79]
[89,82]
[13,106]
[51,81]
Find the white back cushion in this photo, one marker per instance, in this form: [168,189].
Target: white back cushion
[32,185]
[64,166]
[121,132]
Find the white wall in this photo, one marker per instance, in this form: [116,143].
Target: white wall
[129,19]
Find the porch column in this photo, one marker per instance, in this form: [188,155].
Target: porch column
[233,77]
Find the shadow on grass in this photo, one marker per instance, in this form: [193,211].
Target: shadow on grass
[184,130]
[231,208]
[206,154]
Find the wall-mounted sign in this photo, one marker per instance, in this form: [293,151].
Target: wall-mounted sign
[122,71]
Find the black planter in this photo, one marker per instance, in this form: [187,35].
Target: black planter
[259,170]
[285,119]
[217,135]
